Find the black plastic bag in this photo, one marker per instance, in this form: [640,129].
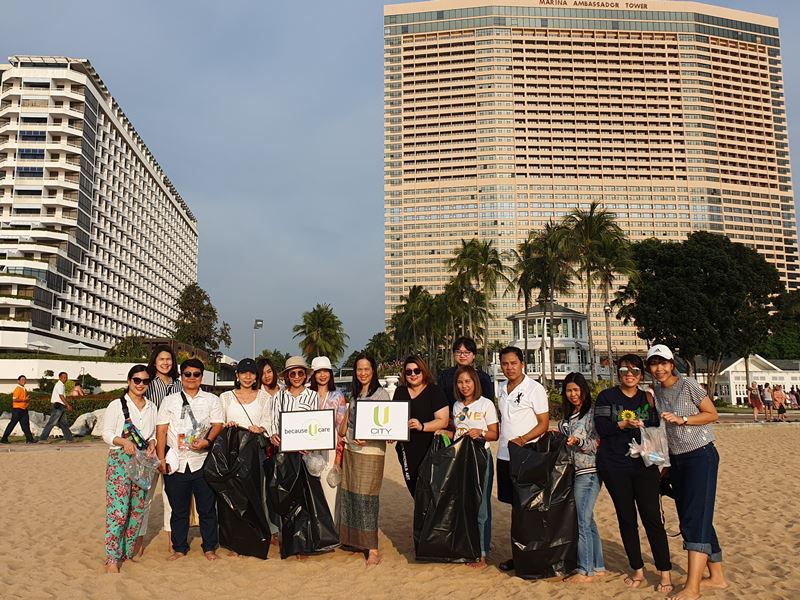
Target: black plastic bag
[544,524]
[446,502]
[234,470]
[306,523]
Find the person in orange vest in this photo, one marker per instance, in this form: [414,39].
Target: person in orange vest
[19,412]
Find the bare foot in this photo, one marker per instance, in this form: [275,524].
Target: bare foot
[138,548]
[112,567]
[301,556]
[684,594]
[176,556]
[665,587]
[373,559]
[233,554]
[274,540]
[478,565]
[580,578]
[635,579]
[211,555]
[713,583]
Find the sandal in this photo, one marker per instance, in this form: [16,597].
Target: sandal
[665,588]
[632,582]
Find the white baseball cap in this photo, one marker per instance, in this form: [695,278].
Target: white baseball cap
[661,351]
[321,362]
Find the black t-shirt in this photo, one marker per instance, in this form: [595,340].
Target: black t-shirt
[446,383]
[421,408]
[613,447]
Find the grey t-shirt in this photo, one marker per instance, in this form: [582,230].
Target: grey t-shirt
[683,399]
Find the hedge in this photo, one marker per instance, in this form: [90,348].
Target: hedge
[80,406]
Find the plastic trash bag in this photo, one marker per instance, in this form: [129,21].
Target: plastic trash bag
[315,463]
[306,523]
[544,524]
[141,469]
[654,448]
[446,502]
[234,470]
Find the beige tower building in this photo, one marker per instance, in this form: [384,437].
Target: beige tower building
[501,115]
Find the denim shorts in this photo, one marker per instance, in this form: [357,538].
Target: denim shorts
[694,482]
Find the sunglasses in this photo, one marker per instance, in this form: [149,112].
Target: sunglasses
[462,416]
[141,380]
[296,373]
[632,370]
[192,374]
[410,372]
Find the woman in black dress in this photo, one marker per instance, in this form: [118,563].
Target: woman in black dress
[428,413]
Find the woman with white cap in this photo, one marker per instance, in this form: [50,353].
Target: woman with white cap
[329,399]
[688,412]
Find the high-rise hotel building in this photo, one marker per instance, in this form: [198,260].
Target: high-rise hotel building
[501,115]
[95,242]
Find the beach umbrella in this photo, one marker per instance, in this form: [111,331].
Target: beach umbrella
[38,345]
[79,347]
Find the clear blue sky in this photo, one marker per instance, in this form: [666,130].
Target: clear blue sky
[268,118]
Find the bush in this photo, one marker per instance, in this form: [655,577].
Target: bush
[555,400]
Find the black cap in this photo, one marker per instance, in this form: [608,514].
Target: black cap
[247,365]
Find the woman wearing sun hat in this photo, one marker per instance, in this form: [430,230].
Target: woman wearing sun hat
[688,413]
[329,399]
[294,397]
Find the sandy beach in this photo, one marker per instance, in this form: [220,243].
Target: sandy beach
[52,522]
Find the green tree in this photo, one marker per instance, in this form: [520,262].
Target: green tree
[321,333]
[588,231]
[704,296]
[130,347]
[382,347]
[613,259]
[784,338]
[479,262]
[197,322]
[276,357]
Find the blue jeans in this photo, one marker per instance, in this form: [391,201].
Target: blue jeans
[694,481]
[57,417]
[590,548]
[485,511]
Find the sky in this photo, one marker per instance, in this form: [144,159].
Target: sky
[268,119]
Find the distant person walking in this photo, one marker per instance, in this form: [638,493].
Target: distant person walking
[754,397]
[767,398]
[779,400]
[19,412]
[60,406]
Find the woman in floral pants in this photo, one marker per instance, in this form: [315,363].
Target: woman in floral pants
[129,426]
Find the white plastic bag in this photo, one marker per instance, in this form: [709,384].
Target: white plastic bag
[654,449]
[141,469]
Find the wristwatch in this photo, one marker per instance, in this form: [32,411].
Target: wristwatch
[685,420]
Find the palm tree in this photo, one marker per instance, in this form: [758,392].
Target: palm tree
[613,258]
[321,333]
[524,278]
[480,262]
[587,230]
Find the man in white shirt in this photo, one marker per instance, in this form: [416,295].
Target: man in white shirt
[59,406]
[524,417]
[188,422]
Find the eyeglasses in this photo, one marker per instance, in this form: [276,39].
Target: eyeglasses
[192,374]
[410,372]
[141,380]
[635,371]
[462,352]
[296,373]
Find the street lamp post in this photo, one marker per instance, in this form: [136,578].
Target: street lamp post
[607,310]
[258,324]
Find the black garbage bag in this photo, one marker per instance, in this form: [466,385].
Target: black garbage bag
[544,524]
[306,523]
[234,470]
[446,502]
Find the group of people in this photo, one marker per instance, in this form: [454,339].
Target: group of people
[764,398]
[164,408]
[20,401]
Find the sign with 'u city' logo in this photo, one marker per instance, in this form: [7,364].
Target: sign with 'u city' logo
[307,430]
[379,420]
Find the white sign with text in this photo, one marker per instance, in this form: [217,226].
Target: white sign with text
[307,430]
[380,420]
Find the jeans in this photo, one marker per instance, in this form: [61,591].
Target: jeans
[57,417]
[180,489]
[590,548]
[632,489]
[694,481]
[485,510]
[21,416]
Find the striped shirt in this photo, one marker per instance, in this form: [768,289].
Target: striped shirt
[158,390]
[286,402]
[683,399]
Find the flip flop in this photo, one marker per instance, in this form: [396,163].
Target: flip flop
[665,588]
[632,582]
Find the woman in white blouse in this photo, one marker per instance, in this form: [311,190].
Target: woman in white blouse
[129,426]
